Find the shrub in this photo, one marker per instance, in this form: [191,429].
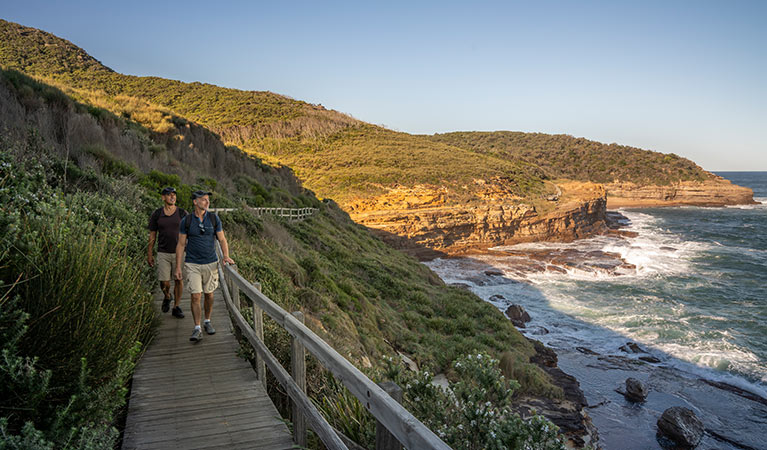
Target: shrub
[74,262]
[473,412]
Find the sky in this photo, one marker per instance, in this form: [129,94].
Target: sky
[684,77]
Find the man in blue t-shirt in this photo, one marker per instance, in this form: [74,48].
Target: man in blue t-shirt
[198,237]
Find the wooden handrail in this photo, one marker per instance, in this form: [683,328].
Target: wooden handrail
[318,423]
[408,430]
[291,213]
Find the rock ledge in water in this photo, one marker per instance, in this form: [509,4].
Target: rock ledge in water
[682,426]
[636,391]
[518,315]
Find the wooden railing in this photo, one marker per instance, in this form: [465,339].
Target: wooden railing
[290,213]
[399,422]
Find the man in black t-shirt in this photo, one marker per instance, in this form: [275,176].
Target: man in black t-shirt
[164,225]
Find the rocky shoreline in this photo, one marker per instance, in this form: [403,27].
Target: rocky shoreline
[631,390]
[423,223]
[431,229]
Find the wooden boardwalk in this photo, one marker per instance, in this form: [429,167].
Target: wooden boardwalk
[201,395]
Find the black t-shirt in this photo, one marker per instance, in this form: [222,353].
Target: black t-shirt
[167,228]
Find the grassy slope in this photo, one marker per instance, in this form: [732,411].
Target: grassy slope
[563,156]
[365,298]
[335,155]
[364,160]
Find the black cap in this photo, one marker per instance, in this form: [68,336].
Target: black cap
[168,190]
[198,194]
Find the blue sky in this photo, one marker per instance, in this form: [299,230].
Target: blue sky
[683,77]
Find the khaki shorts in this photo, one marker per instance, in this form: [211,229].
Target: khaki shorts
[166,266]
[201,277]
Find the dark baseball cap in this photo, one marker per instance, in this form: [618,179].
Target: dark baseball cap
[198,194]
[168,190]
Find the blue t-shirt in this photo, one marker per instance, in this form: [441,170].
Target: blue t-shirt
[201,241]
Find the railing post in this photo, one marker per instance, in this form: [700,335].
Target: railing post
[258,328]
[234,290]
[384,439]
[298,363]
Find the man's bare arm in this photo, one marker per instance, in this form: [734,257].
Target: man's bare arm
[224,247]
[150,250]
[180,247]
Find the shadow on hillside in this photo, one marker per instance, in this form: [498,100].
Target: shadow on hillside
[733,418]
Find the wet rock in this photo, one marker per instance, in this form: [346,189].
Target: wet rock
[631,347]
[624,233]
[538,331]
[494,273]
[736,390]
[586,351]
[650,359]
[668,249]
[518,315]
[460,285]
[568,413]
[636,391]
[682,426]
[550,268]
[496,298]
[544,356]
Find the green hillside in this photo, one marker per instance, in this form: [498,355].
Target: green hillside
[564,156]
[333,154]
[72,169]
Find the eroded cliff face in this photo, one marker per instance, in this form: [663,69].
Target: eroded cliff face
[715,192]
[418,220]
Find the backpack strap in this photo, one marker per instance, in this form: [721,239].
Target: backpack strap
[213,218]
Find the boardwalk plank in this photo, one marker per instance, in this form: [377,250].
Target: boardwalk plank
[199,395]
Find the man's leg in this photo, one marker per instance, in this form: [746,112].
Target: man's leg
[164,274]
[196,308]
[165,286]
[195,289]
[208,305]
[210,284]
[178,288]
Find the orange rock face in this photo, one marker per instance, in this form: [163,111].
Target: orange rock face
[715,192]
[455,229]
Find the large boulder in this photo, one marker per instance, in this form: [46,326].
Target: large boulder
[682,426]
[518,315]
[636,391]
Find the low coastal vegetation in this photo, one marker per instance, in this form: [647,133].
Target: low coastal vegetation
[562,156]
[76,306]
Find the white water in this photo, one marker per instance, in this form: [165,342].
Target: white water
[649,305]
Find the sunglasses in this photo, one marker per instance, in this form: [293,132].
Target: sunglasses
[202,228]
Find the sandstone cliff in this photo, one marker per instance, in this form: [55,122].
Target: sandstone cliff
[714,192]
[419,220]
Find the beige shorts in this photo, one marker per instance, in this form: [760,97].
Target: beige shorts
[201,277]
[166,266]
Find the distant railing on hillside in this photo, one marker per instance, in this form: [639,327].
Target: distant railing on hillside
[399,422]
[292,214]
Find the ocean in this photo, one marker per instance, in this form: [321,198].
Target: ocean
[689,290]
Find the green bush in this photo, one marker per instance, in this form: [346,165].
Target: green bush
[69,337]
[473,413]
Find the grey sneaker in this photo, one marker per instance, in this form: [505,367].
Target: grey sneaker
[165,304]
[209,328]
[177,312]
[196,335]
